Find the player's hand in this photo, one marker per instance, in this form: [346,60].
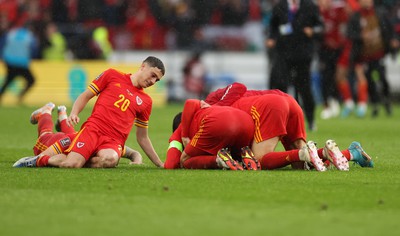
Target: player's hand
[308,31]
[185,141]
[184,157]
[72,120]
[270,43]
[161,165]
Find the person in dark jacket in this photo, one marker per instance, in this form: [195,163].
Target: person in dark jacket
[294,25]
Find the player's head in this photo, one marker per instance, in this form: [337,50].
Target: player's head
[177,121]
[155,62]
[151,71]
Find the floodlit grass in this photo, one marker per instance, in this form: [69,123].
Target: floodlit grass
[145,200]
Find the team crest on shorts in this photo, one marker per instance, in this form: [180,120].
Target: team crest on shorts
[139,101]
[65,142]
[80,144]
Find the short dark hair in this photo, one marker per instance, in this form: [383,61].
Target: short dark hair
[177,121]
[155,62]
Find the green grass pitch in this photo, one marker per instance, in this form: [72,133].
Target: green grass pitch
[145,200]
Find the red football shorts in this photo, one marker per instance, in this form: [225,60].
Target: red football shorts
[295,128]
[270,114]
[90,140]
[48,139]
[224,127]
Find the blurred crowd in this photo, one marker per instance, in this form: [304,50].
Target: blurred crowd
[147,24]
[348,40]
[132,24]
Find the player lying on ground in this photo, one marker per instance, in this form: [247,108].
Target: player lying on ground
[295,132]
[232,93]
[175,149]
[210,138]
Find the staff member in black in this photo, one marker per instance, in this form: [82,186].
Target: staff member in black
[294,25]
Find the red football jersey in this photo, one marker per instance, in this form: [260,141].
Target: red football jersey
[190,120]
[176,135]
[226,96]
[119,105]
[231,93]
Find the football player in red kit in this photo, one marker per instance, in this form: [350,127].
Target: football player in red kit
[121,104]
[175,148]
[211,134]
[59,141]
[52,143]
[291,132]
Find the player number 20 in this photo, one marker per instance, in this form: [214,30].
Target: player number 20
[122,103]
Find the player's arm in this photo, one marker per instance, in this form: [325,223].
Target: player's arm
[190,108]
[134,156]
[174,151]
[144,141]
[78,106]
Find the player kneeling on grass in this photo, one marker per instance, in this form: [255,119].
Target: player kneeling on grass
[50,143]
[268,107]
[121,104]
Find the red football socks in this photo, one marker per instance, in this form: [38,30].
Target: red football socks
[42,161]
[362,90]
[275,160]
[344,90]
[201,162]
[65,128]
[45,124]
